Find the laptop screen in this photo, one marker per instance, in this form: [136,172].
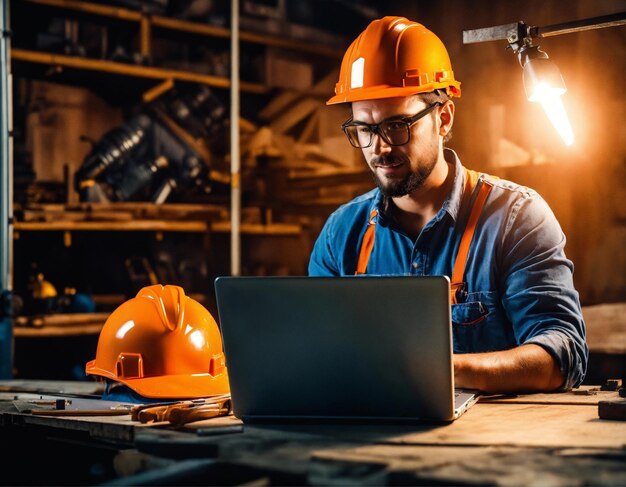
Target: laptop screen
[366,347]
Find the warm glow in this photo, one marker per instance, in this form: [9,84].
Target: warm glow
[552,104]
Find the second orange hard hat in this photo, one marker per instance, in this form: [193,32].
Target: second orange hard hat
[162,344]
[394,57]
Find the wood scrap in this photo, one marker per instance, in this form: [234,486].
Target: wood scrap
[278,104]
[311,124]
[262,144]
[295,114]
[62,319]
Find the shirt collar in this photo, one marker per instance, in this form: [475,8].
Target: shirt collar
[452,203]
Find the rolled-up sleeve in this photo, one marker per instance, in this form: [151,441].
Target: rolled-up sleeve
[539,298]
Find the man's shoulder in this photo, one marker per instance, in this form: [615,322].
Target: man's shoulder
[520,203]
[508,187]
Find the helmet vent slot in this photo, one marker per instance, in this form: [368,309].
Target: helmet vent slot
[129,366]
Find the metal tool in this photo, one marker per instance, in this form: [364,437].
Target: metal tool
[183,412]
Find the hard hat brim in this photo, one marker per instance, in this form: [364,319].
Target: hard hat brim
[387,91]
[171,386]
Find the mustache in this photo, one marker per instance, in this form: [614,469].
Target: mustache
[389,160]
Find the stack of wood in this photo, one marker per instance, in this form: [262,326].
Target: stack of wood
[302,151]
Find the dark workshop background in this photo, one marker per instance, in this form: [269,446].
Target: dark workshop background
[297,167]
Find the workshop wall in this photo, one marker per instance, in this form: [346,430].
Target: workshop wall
[291,142]
[497,130]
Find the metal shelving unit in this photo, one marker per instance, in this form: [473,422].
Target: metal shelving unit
[147,26]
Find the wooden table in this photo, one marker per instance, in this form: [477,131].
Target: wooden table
[540,439]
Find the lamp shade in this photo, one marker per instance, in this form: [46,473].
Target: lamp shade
[540,74]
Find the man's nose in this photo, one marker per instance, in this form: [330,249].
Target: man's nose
[379,145]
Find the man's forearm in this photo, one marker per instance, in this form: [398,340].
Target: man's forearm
[527,368]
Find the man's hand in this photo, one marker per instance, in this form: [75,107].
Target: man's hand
[527,368]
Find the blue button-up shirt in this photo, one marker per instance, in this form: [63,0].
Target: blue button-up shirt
[519,283]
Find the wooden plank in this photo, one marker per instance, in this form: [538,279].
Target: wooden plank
[92,8]
[274,229]
[159,226]
[62,324]
[323,88]
[122,211]
[118,226]
[302,46]
[51,386]
[133,206]
[518,425]
[278,104]
[246,125]
[295,114]
[61,319]
[585,394]
[57,331]
[191,27]
[131,70]
[311,124]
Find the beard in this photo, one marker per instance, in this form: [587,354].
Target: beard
[395,188]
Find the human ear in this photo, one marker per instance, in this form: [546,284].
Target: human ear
[446,118]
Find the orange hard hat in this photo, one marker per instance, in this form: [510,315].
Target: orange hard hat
[394,57]
[162,344]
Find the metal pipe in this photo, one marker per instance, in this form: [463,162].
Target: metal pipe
[6,200]
[516,32]
[235,163]
[600,22]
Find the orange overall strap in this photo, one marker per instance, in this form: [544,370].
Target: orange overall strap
[471,179]
[367,245]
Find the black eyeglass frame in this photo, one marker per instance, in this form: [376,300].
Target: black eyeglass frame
[375,128]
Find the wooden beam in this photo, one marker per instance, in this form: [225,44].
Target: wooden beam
[311,124]
[294,115]
[130,69]
[278,104]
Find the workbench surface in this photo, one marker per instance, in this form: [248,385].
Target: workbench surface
[538,439]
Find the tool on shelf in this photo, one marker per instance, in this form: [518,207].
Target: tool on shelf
[161,150]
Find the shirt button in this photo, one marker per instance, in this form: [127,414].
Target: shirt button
[415,265]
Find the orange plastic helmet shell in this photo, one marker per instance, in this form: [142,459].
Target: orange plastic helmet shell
[394,57]
[162,344]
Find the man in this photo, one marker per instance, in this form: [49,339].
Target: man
[517,321]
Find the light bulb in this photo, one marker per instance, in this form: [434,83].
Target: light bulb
[543,83]
[550,99]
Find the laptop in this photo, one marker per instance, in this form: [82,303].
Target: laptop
[364,348]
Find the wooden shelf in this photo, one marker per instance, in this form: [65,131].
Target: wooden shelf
[57,331]
[92,8]
[115,226]
[188,26]
[130,70]
[69,324]
[275,229]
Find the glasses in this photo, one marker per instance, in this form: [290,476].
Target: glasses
[395,131]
